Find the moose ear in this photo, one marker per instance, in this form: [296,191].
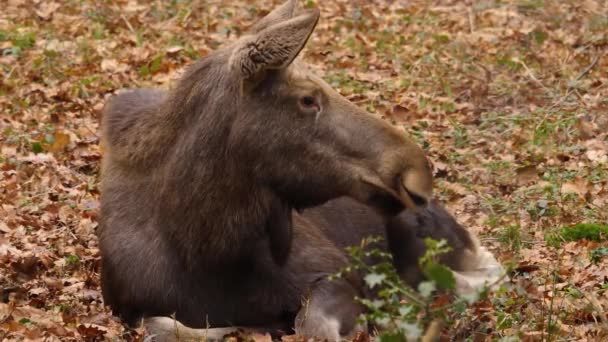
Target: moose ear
[286,11]
[274,47]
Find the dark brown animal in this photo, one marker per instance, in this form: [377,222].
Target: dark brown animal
[345,223]
[200,188]
[328,308]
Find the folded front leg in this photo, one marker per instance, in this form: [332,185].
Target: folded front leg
[330,311]
[472,264]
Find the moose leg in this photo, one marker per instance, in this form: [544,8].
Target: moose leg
[323,308]
[329,311]
[406,233]
[406,248]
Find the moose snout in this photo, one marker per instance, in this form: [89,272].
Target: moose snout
[405,172]
[409,189]
[415,188]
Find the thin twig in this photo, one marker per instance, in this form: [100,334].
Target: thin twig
[410,295]
[578,78]
[10,72]
[531,242]
[592,299]
[471,16]
[531,75]
[590,66]
[8,315]
[129,25]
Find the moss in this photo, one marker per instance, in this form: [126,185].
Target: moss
[588,231]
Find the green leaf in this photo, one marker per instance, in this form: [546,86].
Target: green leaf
[374,279]
[49,138]
[36,147]
[310,4]
[143,70]
[574,292]
[392,337]
[470,298]
[426,288]
[405,310]
[72,259]
[25,40]
[412,331]
[597,254]
[538,36]
[383,320]
[504,321]
[156,63]
[440,274]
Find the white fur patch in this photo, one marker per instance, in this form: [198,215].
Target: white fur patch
[317,324]
[314,322]
[166,329]
[481,269]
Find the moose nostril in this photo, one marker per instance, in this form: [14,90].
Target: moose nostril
[415,188]
[418,200]
[412,199]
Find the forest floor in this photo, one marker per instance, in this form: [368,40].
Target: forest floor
[509,98]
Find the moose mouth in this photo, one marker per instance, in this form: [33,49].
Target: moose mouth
[391,201]
[419,201]
[410,199]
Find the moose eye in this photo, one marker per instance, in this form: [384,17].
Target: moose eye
[308,102]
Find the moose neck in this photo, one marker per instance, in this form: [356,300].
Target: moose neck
[206,194]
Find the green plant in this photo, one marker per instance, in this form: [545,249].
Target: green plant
[588,231]
[72,259]
[597,254]
[152,67]
[397,310]
[460,135]
[19,40]
[573,292]
[510,237]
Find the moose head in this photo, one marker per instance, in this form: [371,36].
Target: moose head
[248,134]
[304,140]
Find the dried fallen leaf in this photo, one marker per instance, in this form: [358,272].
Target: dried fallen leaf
[91,332]
[361,337]
[527,174]
[46,9]
[400,114]
[260,337]
[579,186]
[174,49]
[109,65]
[60,142]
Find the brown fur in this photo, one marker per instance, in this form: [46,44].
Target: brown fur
[326,309]
[199,185]
[346,223]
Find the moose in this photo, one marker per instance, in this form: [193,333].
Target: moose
[227,200]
